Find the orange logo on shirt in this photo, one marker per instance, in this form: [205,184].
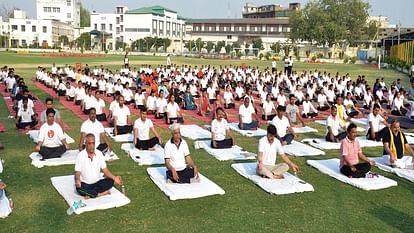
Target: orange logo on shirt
[50,133]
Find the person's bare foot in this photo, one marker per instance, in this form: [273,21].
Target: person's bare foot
[195,180]
[103,193]
[284,143]
[86,197]
[278,177]
[152,149]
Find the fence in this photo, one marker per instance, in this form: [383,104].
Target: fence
[404,52]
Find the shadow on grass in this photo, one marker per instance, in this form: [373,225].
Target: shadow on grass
[394,218]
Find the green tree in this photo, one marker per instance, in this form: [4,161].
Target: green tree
[220,45]
[257,46]
[149,42]
[228,48]
[84,41]
[64,39]
[246,48]
[286,49]
[190,45]
[209,46]
[329,22]
[85,17]
[199,45]
[275,47]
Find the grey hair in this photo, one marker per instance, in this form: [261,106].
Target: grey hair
[175,126]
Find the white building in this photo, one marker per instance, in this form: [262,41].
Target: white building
[67,11]
[46,33]
[130,25]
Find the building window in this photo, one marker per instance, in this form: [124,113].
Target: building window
[121,18]
[110,27]
[33,28]
[229,37]
[24,43]
[154,27]
[14,27]
[69,15]
[161,28]
[44,29]
[95,26]
[121,28]
[23,28]
[117,20]
[68,3]
[103,28]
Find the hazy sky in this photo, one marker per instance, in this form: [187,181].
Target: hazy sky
[395,9]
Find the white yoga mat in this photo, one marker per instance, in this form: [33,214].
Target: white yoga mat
[183,191]
[144,157]
[410,138]
[65,185]
[119,138]
[194,132]
[331,168]
[382,163]
[299,149]
[323,122]
[305,129]
[5,209]
[69,157]
[322,144]
[290,184]
[249,133]
[1,166]
[234,153]
[34,135]
[360,121]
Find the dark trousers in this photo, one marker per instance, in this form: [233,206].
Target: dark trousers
[323,108]
[86,111]
[340,136]
[252,125]
[223,144]
[361,170]
[92,190]
[184,176]
[160,115]
[191,107]
[353,114]
[140,107]
[396,113]
[78,102]
[101,117]
[70,99]
[378,135]
[52,152]
[287,138]
[147,144]
[124,129]
[269,117]
[310,115]
[171,120]
[23,125]
[229,106]
[61,92]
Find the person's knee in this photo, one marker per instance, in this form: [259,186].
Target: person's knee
[284,167]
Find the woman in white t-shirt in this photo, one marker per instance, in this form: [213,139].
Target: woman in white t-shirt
[173,112]
[228,98]
[139,99]
[128,94]
[268,109]
[351,110]
[109,88]
[323,104]
[161,106]
[219,130]
[398,108]
[151,103]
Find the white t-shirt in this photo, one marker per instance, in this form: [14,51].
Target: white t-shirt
[122,115]
[281,100]
[270,150]
[228,97]
[376,122]
[95,128]
[268,107]
[219,129]
[143,128]
[246,113]
[26,116]
[281,125]
[334,123]
[98,105]
[51,135]
[172,109]
[152,103]
[90,170]
[161,105]
[71,92]
[176,154]
[397,103]
[139,98]
[211,93]
[89,101]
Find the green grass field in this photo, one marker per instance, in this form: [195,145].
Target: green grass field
[333,207]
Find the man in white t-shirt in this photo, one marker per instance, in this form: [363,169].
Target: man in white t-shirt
[274,65]
[93,126]
[180,166]
[26,118]
[142,128]
[266,157]
[88,167]
[219,130]
[376,124]
[51,140]
[247,116]
[335,131]
[122,118]
[285,133]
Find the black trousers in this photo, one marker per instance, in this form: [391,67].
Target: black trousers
[223,144]
[311,114]
[140,107]
[269,117]
[184,176]
[68,98]
[124,129]
[101,117]
[61,92]
[229,106]
[396,113]
[378,135]
[361,170]
[340,136]
[86,111]
[171,120]
[147,144]
[353,113]
[78,102]
[160,115]
[23,125]
[323,108]
[52,152]
[92,190]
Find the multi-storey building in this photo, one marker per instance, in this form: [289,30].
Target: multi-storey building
[67,11]
[269,11]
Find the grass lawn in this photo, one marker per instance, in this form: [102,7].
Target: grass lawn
[333,207]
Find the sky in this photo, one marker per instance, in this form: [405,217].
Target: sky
[395,10]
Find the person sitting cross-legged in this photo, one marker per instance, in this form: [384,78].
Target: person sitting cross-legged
[351,153]
[93,126]
[142,128]
[285,133]
[375,122]
[219,131]
[51,140]
[26,118]
[335,132]
[396,145]
[269,147]
[122,118]
[88,167]
[247,116]
[180,166]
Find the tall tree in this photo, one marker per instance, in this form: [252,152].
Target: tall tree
[257,46]
[220,44]
[329,22]
[85,17]
[275,47]
[209,46]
